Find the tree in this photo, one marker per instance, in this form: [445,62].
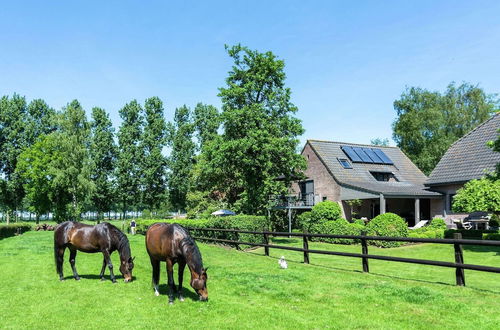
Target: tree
[13,139]
[478,195]
[180,139]
[129,156]
[429,122]
[380,142]
[72,169]
[41,120]
[103,153]
[154,163]
[206,120]
[259,141]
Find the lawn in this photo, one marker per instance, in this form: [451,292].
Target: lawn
[249,290]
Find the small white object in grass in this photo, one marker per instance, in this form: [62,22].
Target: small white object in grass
[282,263]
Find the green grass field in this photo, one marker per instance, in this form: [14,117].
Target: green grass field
[249,290]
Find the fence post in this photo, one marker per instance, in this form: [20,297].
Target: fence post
[306,249]
[266,241]
[459,259]
[364,250]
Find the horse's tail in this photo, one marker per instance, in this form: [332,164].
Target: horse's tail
[59,241]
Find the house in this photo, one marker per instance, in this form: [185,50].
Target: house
[467,159]
[383,178]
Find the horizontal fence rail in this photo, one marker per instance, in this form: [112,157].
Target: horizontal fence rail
[457,242]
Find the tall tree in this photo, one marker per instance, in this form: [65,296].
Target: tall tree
[103,153]
[429,122]
[380,142]
[13,139]
[260,140]
[153,165]
[206,120]
[129,156]
[41,120]
[73,168]
[180,139]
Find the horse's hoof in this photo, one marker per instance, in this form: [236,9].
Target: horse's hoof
[170,302]
[103,279]
[157,293]
[181,298]
[61,279]
[77,278]
[114,281]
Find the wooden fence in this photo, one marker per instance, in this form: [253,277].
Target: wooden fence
[457,242]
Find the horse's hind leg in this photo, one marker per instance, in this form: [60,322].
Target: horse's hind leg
[103,269]
[72,257]
[59,254]
[156,275]
[182,264]
[171,284]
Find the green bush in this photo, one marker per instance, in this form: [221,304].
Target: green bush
[360,222]
[492,236]
[468,234]
[389,225]
[13,229]
[243,222]
[427,233]
[494,221]
[337,227]
[437,223]
[326,210]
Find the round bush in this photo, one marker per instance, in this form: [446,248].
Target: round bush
[338,227]
[438,223]
[326,210]
[389,225]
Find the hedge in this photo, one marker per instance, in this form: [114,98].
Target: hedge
[242,222]
[468,234]
[337,227]
[13,229]
[388,225]
[492,236]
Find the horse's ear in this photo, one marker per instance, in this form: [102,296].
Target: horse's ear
[206,269]
[131,259]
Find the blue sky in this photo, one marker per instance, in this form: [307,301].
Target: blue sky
[346,61]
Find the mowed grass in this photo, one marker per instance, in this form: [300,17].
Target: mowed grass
[248,290]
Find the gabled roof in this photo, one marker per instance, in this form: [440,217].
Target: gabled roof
[469,157]
[410,178]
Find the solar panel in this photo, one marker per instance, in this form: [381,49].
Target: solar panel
[361,153]
[351,154]
[375,158]
[383,156]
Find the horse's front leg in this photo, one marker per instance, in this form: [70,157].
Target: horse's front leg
[110,265]
[72,257]
[171,284]
[103,269]
[182,264]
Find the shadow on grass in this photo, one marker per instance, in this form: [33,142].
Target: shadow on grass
[188,294]
[97,277]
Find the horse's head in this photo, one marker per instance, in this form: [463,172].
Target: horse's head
[126,266]
[199,284]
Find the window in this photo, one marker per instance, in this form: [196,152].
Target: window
[345,163]
[384,176]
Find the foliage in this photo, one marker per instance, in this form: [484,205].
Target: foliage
[468,234]
[128,171]
[388,225]
[492,236]
[429,122]
[206,121]
[103,153]
[478,195]
[13,229]
[495,145]
[180,139]
[321,212]
[200,204]
[354,204]
[437,223]
[337,227]
[380,142]
[494,221]
[153,165]
[259,141]
[427,232]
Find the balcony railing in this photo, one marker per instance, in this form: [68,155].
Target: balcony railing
[298,200]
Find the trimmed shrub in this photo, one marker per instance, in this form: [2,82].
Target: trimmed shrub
[326,210]
[389,225]
[492,236]
[494,221]
[437,223]
[427,233]
[337,227]
[360,222]
[468,234]
[13,229]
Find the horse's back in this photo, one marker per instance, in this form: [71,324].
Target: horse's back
[86,238]
[162,240]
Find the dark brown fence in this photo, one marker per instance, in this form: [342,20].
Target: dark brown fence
[457,242]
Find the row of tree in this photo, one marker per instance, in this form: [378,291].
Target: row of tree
[60,162]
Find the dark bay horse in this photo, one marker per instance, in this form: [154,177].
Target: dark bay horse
[171,243]
[103,237]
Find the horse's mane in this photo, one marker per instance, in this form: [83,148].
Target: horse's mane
[189,247]
[123,245]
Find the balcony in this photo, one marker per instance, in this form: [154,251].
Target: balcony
[298,201]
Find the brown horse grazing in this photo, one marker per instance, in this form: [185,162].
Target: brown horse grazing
[103,237]
[172,243]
